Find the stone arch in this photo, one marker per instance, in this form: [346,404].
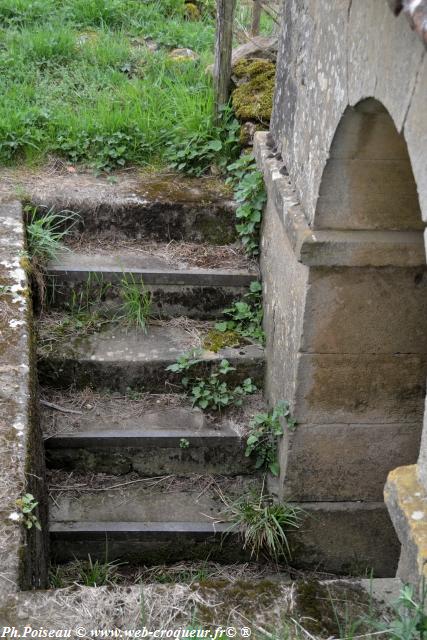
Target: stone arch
[347,342]
[362,362]
[368,182]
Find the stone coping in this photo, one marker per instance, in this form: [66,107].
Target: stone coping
[328,248]
[406,500]
[21,550]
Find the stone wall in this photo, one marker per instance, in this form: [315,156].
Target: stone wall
[342,256]
[23,552]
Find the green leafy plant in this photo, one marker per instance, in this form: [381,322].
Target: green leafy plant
[212,392]
[96,574]
[102,151]
[137,302]
[184,443]
[45,232]
[263,524]
[245,316]
[27,504]
[264,430]
[213,146]
[215,393]
[185,361]
[409,621]
[84,572]
[250,194]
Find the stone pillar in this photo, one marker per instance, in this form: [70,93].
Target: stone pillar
[345,312]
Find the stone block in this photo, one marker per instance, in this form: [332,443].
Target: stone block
[344,462]
[368,194]
[422,460]
[366,310]
[352,538]
[415,133]
[362,388]
[406,500]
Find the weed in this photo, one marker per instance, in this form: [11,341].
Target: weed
[89,295]
[249,192]
[96,574]
[84,572]
[56,578]
[137,302]
[263,524]
[209,147]
[409,621]
[184,443]
[185,361]
[212,392]
[26,504]
[245,316]
[45,232]
[265,429]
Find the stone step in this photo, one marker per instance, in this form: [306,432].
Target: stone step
[118,358]
[155,521]
[76,278]
[172,440]
[268,602]
[161,207]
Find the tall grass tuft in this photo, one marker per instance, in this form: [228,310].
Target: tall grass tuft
[137,302]
[263,524]
[45,232]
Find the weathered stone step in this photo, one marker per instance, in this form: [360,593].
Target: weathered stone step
[152,206]
[162,520]
[176,440]
[244,599]
[118,358]
[176,290]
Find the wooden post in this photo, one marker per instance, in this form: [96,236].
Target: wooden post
[256,18]
[223,50]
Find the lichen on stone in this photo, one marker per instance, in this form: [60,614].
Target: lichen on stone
[253,98]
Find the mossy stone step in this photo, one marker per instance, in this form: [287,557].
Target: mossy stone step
[176,290]
[160,207]
[119,358]
[177,440]
[163,520]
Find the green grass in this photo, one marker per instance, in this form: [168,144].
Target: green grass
[136,302]
[263,524]
[45,232]
[79,82]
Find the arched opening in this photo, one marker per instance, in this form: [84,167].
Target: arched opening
[363,352]
[368,181]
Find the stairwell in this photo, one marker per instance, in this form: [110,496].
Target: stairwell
[136,474]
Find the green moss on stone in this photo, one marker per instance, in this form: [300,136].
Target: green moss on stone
[217,340]
[253,99]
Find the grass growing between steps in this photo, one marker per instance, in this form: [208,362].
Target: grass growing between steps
[93,80]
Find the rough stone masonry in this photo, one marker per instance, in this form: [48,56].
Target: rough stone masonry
[343,259]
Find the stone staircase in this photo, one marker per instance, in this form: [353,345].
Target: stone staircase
[142,487]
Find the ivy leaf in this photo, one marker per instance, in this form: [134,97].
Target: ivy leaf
[214,145]
[274,468]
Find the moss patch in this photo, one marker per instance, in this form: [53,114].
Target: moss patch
[253,99]
[331,610]
[248,597]
[217,340]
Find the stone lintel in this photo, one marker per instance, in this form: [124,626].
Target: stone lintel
[406,500]
[328,248]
